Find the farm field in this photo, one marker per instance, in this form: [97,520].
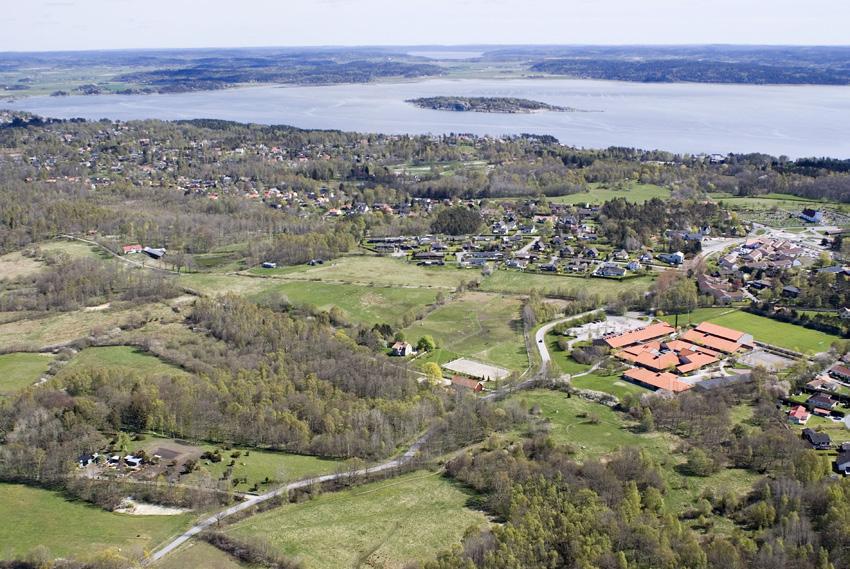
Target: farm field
[361,304]
[66,528]
[484,327]
[382,524]
[377,270]
[20,370]
[126,358]
[520,283]
[762,328]
[198,553]
[598,194]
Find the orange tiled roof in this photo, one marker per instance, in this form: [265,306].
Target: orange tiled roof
[664,380]
[694,361]
[713,342]
[720,332]
[640,335]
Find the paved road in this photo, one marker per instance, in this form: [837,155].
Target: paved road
[254,500]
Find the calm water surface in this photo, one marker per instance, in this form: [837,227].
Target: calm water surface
[791,120]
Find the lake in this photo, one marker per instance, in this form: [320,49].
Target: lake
[684,117]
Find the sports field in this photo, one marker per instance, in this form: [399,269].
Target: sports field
[384,524]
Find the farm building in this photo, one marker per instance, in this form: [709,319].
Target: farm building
[462,382]
[129,249]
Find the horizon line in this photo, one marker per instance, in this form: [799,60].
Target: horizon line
[445,46]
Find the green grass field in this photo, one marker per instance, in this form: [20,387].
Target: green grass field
[763,329]
[33,517]
[520,283]
[485,327]
[127,358]
[615,385]
[361,304]
[591,440]
[374,269]
[18,371]
[598,194]
[767,201]
[257,465]
[199,554]
[561,358]
[383,524]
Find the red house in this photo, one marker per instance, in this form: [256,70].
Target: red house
[132,249]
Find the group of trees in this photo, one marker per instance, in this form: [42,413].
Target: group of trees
[614,513]
[70,284]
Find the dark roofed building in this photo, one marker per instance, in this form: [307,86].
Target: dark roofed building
[819,441]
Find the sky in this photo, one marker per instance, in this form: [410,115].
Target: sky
[45,25]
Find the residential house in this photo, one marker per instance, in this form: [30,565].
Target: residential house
[811,215]
[840,372]
[790,291]
[610,270]
[129,249]
[821,403]
[676,258]
[799,415]
[402,349]
[634,266]
[842,462]
[819,441]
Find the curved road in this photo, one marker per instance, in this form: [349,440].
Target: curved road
[206,523]
[254,500]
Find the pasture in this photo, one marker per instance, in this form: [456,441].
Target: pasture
[369,269]
[592,429]
[613,384]
[598,193]
[20,370]
[517,282]
[126,358]
[361,304]
[383,524]
[16,265]
[34,516]
[483,327]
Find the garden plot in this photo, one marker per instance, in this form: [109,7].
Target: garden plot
[476,369]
